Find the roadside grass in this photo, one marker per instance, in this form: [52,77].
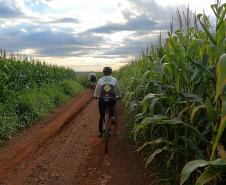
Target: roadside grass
[31,105]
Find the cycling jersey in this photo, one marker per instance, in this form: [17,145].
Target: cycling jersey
[107,87]
[92,77]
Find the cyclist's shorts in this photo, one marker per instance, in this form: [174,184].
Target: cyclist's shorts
[104,104]
[93,78]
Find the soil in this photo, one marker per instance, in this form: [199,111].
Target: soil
[65,150]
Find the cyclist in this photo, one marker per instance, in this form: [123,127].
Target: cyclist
[107,90]
[92,78]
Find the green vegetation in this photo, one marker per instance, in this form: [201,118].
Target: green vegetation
[174,97]
[29,91]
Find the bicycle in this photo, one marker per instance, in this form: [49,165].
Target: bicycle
[107,126]
[93,82]
[107,129]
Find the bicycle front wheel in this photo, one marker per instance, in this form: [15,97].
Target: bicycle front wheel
[106,138]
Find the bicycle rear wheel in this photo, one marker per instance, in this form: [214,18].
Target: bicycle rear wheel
[106,138]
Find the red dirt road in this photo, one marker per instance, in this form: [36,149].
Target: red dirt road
[65,150]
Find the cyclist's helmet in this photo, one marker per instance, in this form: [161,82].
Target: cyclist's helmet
[107,71]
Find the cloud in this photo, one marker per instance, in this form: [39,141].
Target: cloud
[52,20]
[65,20]
[138,23]
[142,16]
[58,29]
[9,10]
[123,51]
[131,46]
[48,42]
[162,14]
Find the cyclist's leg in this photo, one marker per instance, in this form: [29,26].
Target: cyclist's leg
[111,114]
[94,83]
[102,114]
[111,107]
[93,79]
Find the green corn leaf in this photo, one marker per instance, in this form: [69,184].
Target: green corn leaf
[145,75]
[153,155]
[218,164]
[211,50]
[175,46]
[190,167]
[219,133]
[154,142]
[191,97]
[206,30]
[146,101]
[194,147]
[221,89]
[207,176]
[138,128]
[214,8]
[222,17]
[178,78]
[196,110]
[145,123]
[221,39]
[192,47]
[201,67]
[205,59]
[152,106]
[221,75]
[195,75]
[175,121]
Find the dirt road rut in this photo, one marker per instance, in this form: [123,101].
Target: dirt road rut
[65,150]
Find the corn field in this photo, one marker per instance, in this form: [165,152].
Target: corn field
[175,100]
[29,91]
[17,74]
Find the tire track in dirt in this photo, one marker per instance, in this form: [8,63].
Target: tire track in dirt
[122,166]
[75,156]
[21,148]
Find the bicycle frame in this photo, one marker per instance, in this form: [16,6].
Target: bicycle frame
[106,128]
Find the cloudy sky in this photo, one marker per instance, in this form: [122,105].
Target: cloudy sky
[87,34]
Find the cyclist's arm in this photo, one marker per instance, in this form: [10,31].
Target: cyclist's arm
[97,90]
[118,94]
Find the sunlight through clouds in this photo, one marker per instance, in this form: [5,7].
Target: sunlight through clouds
[84,33]
[195,5]
[28,51]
